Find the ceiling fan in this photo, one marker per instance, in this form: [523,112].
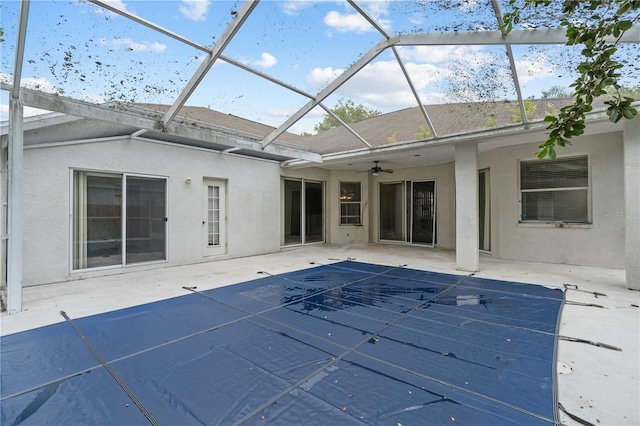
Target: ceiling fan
[376,170]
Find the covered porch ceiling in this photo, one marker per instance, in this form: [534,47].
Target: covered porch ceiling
[284,64]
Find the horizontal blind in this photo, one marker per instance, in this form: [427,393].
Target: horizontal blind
[553,174]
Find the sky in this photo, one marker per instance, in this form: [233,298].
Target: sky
[76,49]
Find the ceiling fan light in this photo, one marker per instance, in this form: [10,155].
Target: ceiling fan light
[375,174]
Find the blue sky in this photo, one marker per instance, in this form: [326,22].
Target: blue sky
[85,52]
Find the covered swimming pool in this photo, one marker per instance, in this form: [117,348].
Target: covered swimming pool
[340,343]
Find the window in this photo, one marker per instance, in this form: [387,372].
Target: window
[350,203]
[555,190]
[117,219]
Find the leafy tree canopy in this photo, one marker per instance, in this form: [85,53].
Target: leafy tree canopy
[596,25]
[556,92]
[348,112]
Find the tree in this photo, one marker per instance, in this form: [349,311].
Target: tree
[530,107]
[589,23]
[556,92]
[348,112]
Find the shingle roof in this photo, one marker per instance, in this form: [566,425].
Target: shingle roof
[227,121]
[399,126]
[410,125]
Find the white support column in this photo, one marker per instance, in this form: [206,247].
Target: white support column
[14,213]
[466,169]
[631,148]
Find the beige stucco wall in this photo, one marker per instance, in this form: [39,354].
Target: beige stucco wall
[253,205]
[598,244]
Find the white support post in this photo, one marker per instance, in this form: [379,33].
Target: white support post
[466,170]
[14,201]
[631,149]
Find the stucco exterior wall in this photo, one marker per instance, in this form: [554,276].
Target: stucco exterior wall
[253,204]
[599,244]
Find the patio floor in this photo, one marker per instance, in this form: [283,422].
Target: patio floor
[597,384]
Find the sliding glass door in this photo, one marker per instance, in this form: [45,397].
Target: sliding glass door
[392,207]
[107,207]
[303,212]
[484,210]
[146,217]
[408,212]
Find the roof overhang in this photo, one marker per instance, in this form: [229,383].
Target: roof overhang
[131,119]
[421,153]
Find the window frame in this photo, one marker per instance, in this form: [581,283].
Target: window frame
[587,188]
[346,202]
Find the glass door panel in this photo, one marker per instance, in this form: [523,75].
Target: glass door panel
[314,212]
[484,210]
[423,209]
[292,212]
[391,211]
[146,219]
[98,221]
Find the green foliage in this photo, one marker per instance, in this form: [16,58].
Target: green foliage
[556,92]
[424,133]
[348,112]
[491,122]
[1,35]
[589,23]
[530,107]
[305,134]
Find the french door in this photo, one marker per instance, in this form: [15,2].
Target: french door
[303,212]
[408,212]
[215,229]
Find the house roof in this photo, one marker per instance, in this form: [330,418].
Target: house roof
[390,136]
[410,124]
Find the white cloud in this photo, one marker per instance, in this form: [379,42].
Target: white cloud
[439,54]
[534,67]
[354,22]
[320,77]
[295,6]
[383,85]
[4,112]
[40,84]
[26,112]
[129,44]
[195,10]
[350,22]
[266,60]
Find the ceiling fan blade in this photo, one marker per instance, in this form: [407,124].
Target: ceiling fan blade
[387,170]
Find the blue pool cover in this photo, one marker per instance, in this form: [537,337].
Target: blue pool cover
[346,343]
